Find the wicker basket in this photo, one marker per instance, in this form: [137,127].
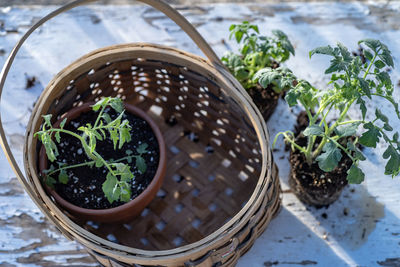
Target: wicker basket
[221,188]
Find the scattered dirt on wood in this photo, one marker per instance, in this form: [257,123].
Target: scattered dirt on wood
[390,262]
[30,81]
[95,19]
[304,263]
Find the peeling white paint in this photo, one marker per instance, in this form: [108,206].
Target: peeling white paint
[299,234]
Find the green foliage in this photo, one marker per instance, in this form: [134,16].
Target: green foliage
[117,184]
[256,52]
[352,84]
[329,158]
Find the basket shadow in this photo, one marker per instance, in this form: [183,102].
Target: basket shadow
[288,240]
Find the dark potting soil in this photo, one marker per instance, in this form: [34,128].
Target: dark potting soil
[311,177]
[266,100]
[84,187]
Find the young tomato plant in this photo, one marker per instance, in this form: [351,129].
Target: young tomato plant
[117,183]
[256,52]
[352,84]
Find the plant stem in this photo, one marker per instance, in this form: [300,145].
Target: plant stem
[125,158]
[72,166]
[99,116]
[370,65]
[65,131]
[293,143]
[97,155]
[350,121]
[343,148]
[329,131]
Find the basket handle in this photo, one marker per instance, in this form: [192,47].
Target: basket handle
[157,4]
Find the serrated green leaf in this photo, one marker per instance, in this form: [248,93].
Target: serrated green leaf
[50,147]
[387,127]
[58,137]
[325,50]
[358,155]
[114,137]
[266,76]
[368,55]
[347,130]
[379,64]
[393,165]
[63,177]
[337,65]
[371,137]
[384,78]
[101,103]
[313,130]
[125,193]
[329,159]
[62,124]
[396,136]
[344,52]
[117,104]
[355,175]
[106,117]
[47,119]
[142,148]
[97,135]
[363,107]
[50,181]
[365,87]
[141,164]
[126,174]
[291,97]
[120,167]
[238,36]
[124,134]
[255,28]
[110,188]
[386,57]
[371,43]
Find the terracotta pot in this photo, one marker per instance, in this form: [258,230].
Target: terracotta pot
[128,210]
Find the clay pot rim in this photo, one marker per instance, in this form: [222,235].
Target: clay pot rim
[159,175]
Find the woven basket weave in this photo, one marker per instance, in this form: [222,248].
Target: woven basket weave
[221,188]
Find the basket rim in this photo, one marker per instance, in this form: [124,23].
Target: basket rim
[232,87]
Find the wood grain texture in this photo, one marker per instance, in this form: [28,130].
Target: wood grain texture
[371,209]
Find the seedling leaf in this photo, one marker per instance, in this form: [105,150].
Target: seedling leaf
[330,158]
[355,175]
[371,137]
[393,165]
[63,177]
[110,188]
[347,130]
[141,164]
[313,130]
[142,148]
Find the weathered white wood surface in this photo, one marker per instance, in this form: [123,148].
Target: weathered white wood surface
[361,229]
